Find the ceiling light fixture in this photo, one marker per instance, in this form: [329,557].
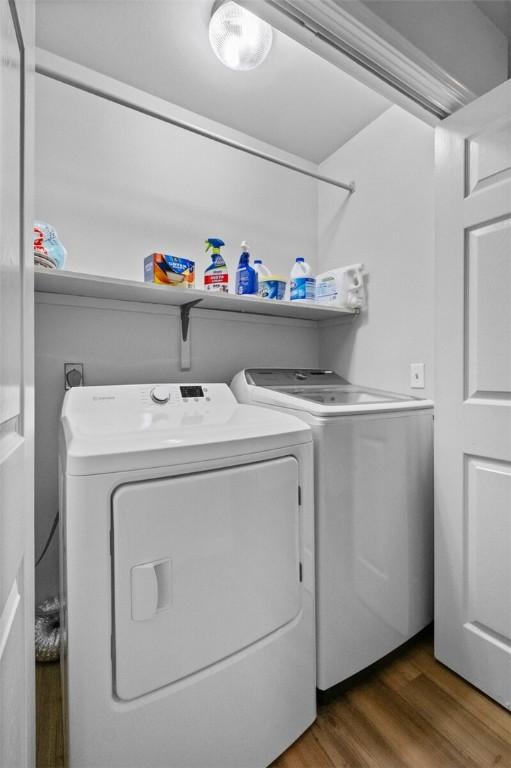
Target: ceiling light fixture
[238,37]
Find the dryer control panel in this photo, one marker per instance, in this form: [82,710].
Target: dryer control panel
[184,394]
[115,407]
[125,426]
[165,393]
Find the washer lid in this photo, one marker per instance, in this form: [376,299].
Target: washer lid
[319,392]
[118,428]
[288,377]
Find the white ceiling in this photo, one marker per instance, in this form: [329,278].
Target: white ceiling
[295,100]
[499,12]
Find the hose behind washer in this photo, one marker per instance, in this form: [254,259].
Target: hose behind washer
[47,630]
[47,621]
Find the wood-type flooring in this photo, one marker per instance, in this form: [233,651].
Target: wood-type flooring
[408,711]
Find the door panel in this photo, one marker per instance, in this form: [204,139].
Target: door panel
[473,393]
[204,565]
[14,748]
[11,275]
[11,501]
[17,716]
[488,542]
[488,310]
[489,156]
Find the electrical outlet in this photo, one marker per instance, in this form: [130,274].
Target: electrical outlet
[73,375]
[417,375]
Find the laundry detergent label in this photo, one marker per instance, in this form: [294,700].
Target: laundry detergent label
[272,289]
[302,288]
[246,281]
[217,281]
[326,289]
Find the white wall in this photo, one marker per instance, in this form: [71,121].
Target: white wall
[118,185]
[388,226]
[123,343]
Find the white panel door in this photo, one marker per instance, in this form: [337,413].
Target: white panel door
[16,390]
[473,394]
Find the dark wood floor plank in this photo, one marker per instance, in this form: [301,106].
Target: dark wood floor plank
[49,740]
[487,711]
[356,739]
[306,751]
[399,672]
[473,739]
[407,732]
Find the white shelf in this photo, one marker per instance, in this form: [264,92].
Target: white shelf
[94,286]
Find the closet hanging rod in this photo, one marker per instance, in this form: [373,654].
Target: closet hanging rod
[49,72]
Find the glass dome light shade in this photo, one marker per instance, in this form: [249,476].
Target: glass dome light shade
[238,37]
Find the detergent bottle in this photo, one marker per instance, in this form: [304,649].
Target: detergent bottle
[352,289]
[343,287]
[262,272]
[302,286]
[246,276]
[216,276]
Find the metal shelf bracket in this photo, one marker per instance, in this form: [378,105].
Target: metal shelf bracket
[186,358]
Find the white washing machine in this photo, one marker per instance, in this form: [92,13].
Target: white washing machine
[187,578]
[374,511]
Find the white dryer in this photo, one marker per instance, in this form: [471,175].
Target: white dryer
[373,506]
[187,578]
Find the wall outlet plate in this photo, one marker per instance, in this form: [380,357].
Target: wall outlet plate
[417,375]
[73,375]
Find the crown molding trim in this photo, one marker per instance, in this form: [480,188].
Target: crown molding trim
[360,36]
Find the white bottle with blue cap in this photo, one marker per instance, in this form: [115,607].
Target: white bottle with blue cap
[302,286]
[262,272]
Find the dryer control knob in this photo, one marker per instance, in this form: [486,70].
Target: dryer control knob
[160,395]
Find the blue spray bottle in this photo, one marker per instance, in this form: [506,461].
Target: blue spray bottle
[246,276]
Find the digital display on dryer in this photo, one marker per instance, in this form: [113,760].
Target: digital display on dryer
[191,392]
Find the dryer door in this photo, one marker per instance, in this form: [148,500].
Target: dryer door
[204,565]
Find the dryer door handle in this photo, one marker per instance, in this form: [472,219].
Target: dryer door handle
[150,589]
[144,592]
